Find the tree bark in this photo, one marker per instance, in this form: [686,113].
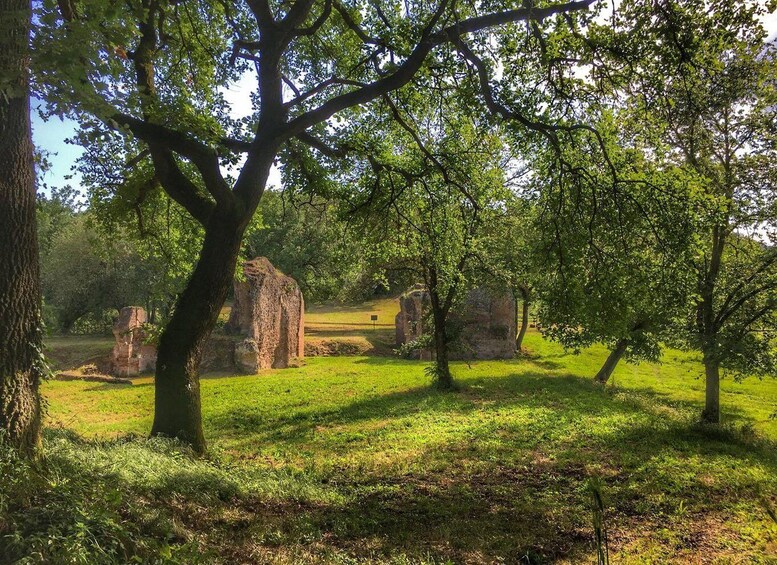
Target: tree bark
[440,309]
[444,377]
[20,296]
[708,329]
[612,361]
[177,407]
[524,318]
[711,413]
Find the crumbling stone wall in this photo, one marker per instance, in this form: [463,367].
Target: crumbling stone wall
[409,321]
[489,325]
[131,356]
[218,354]
[269,309]
[485,322]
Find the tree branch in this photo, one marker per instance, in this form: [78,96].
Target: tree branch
[353,26]
[413,63]
[308,31]
[179,187]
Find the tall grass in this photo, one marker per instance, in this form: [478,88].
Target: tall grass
[594,487]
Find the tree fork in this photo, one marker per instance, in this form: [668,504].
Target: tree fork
[177,405]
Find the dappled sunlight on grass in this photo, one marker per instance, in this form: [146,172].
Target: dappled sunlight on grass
[496,470]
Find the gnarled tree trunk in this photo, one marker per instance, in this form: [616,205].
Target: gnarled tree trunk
[177,408]
[20,299]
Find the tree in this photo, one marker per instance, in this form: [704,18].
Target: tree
[708,97]
[509,255]
[428,202]
[307,239]
[154,71]
[21,363]
[613,255]
[132,219]
[53,214]
[86,273]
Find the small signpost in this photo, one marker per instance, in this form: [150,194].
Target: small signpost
[374,318]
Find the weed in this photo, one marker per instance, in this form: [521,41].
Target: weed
[594,487]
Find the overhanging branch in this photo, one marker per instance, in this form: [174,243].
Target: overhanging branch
[429,40]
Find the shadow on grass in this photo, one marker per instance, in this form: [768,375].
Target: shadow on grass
[508,493]
[465,501]
[502,515]
[567,395]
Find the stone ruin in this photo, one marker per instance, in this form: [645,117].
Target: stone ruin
[409,321]
[131,356]
[270,311]
[486,319]
[489,324]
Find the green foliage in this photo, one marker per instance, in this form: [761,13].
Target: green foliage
[53,214]
[311,243]
[426,198]
[132,204]
[188,73]
[613,243]
[510,246]
[410,349]
[152,333]
[117,253]
[69,507]
[439,377]
[705,103]
[87,277]
[657,228]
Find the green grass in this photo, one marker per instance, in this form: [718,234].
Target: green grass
[356,316]
[69,352]
[329,325]
[358,460]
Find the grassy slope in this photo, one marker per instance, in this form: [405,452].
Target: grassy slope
[393,470]
[330,324]
[69,352]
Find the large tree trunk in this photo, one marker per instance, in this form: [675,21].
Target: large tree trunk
[524,318]
[20,301]
[612,361]
[711,413]
[177,411]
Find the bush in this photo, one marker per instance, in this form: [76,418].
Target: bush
[95,323]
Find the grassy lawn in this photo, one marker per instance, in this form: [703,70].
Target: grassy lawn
[328,326]
[69,352]
[358,460]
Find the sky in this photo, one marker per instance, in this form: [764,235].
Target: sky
[51,135]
